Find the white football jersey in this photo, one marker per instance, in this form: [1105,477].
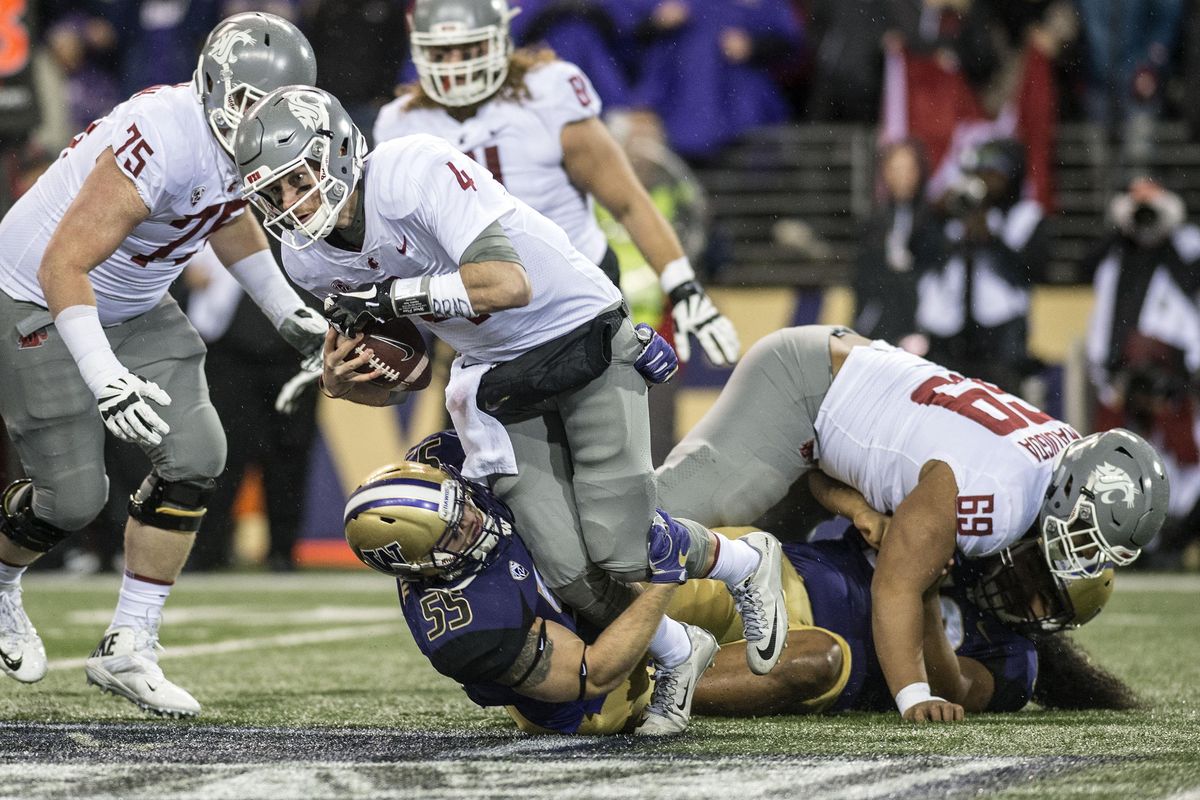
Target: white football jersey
[520,142]
[425,203]
[889,412]
[191,186]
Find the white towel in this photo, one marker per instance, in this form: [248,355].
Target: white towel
[488,449]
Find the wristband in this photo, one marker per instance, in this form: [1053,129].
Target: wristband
[440,295]
[675,274]
[259,275]
[912,694]
[80,329]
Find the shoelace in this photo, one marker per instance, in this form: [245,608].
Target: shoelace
[663,697]
[750,605]
[13,620]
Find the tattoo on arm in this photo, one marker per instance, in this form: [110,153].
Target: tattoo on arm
[533,662]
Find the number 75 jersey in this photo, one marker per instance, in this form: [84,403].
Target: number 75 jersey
[162,143]
[889,412]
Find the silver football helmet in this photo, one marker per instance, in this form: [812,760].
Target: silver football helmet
[246,56]
[1106,500]
[416,522]
[477,30]
[303,136]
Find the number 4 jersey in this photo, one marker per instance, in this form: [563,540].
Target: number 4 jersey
[889,412]
[162,143]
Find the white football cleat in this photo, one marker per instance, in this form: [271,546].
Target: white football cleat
[761,603]
[126,663]
[670,705]
[22,654]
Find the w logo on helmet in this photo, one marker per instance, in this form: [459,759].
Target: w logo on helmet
[1112,484]
[388,558]
[221,49]
[308,109]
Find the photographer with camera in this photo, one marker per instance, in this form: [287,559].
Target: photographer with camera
[1143,342]
[974,307]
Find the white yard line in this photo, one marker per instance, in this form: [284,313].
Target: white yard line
[257,643]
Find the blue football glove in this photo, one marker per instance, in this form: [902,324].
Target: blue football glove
[658,362]
[669,544]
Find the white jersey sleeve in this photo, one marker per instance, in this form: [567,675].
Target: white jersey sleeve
[561,94]
[146,144]
[447,193]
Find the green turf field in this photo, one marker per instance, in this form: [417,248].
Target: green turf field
[312,688]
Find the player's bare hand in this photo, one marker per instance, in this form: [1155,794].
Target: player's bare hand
[935,710]
[872,525]
[340,363]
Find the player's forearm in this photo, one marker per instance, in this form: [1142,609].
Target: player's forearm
[835,496]
[897,625]
[622,645]
[941,664]
[650,231]
[64,284]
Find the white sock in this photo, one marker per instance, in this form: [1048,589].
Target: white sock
[735,562]
[670,646]
[140,603]
[10,576]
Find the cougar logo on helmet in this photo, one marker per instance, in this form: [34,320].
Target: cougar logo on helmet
[309,110]
[1112,484]
[221,49]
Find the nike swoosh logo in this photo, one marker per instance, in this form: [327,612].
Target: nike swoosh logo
[13,664]
[403,247]
[682,704]
[765,652]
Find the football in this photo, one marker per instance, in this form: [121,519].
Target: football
[399,351]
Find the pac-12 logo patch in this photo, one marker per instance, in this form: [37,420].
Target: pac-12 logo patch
[35,339]
[518,572]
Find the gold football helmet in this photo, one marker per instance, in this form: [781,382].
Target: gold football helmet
[1019,589]
[417,522]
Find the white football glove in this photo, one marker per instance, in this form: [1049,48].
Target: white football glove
[304,329]
[696,315]
[126,413]
[289,396]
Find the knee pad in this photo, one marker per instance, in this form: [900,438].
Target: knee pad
[19,523]
[171,505]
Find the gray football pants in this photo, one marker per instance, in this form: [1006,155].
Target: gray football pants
[52,418]
[745,454]
[585,495]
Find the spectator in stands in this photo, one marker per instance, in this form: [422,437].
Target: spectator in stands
[159,39]
[974,306]
[361,46]
[706,68]
[1143,343]
[847,58]
[246,371]
[85,48]
[901,239]
[583,33]
[1129,47]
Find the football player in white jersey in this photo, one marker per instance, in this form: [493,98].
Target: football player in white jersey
[534,122]
[546,379]
[93,339]
[961,466]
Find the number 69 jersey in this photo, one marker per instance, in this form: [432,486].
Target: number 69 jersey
[163,144]
[889,412]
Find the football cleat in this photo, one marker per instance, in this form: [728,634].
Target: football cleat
[22,655]
[761,603]
[670,705]
[126,663]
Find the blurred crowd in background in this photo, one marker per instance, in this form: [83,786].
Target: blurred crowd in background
[964,97]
